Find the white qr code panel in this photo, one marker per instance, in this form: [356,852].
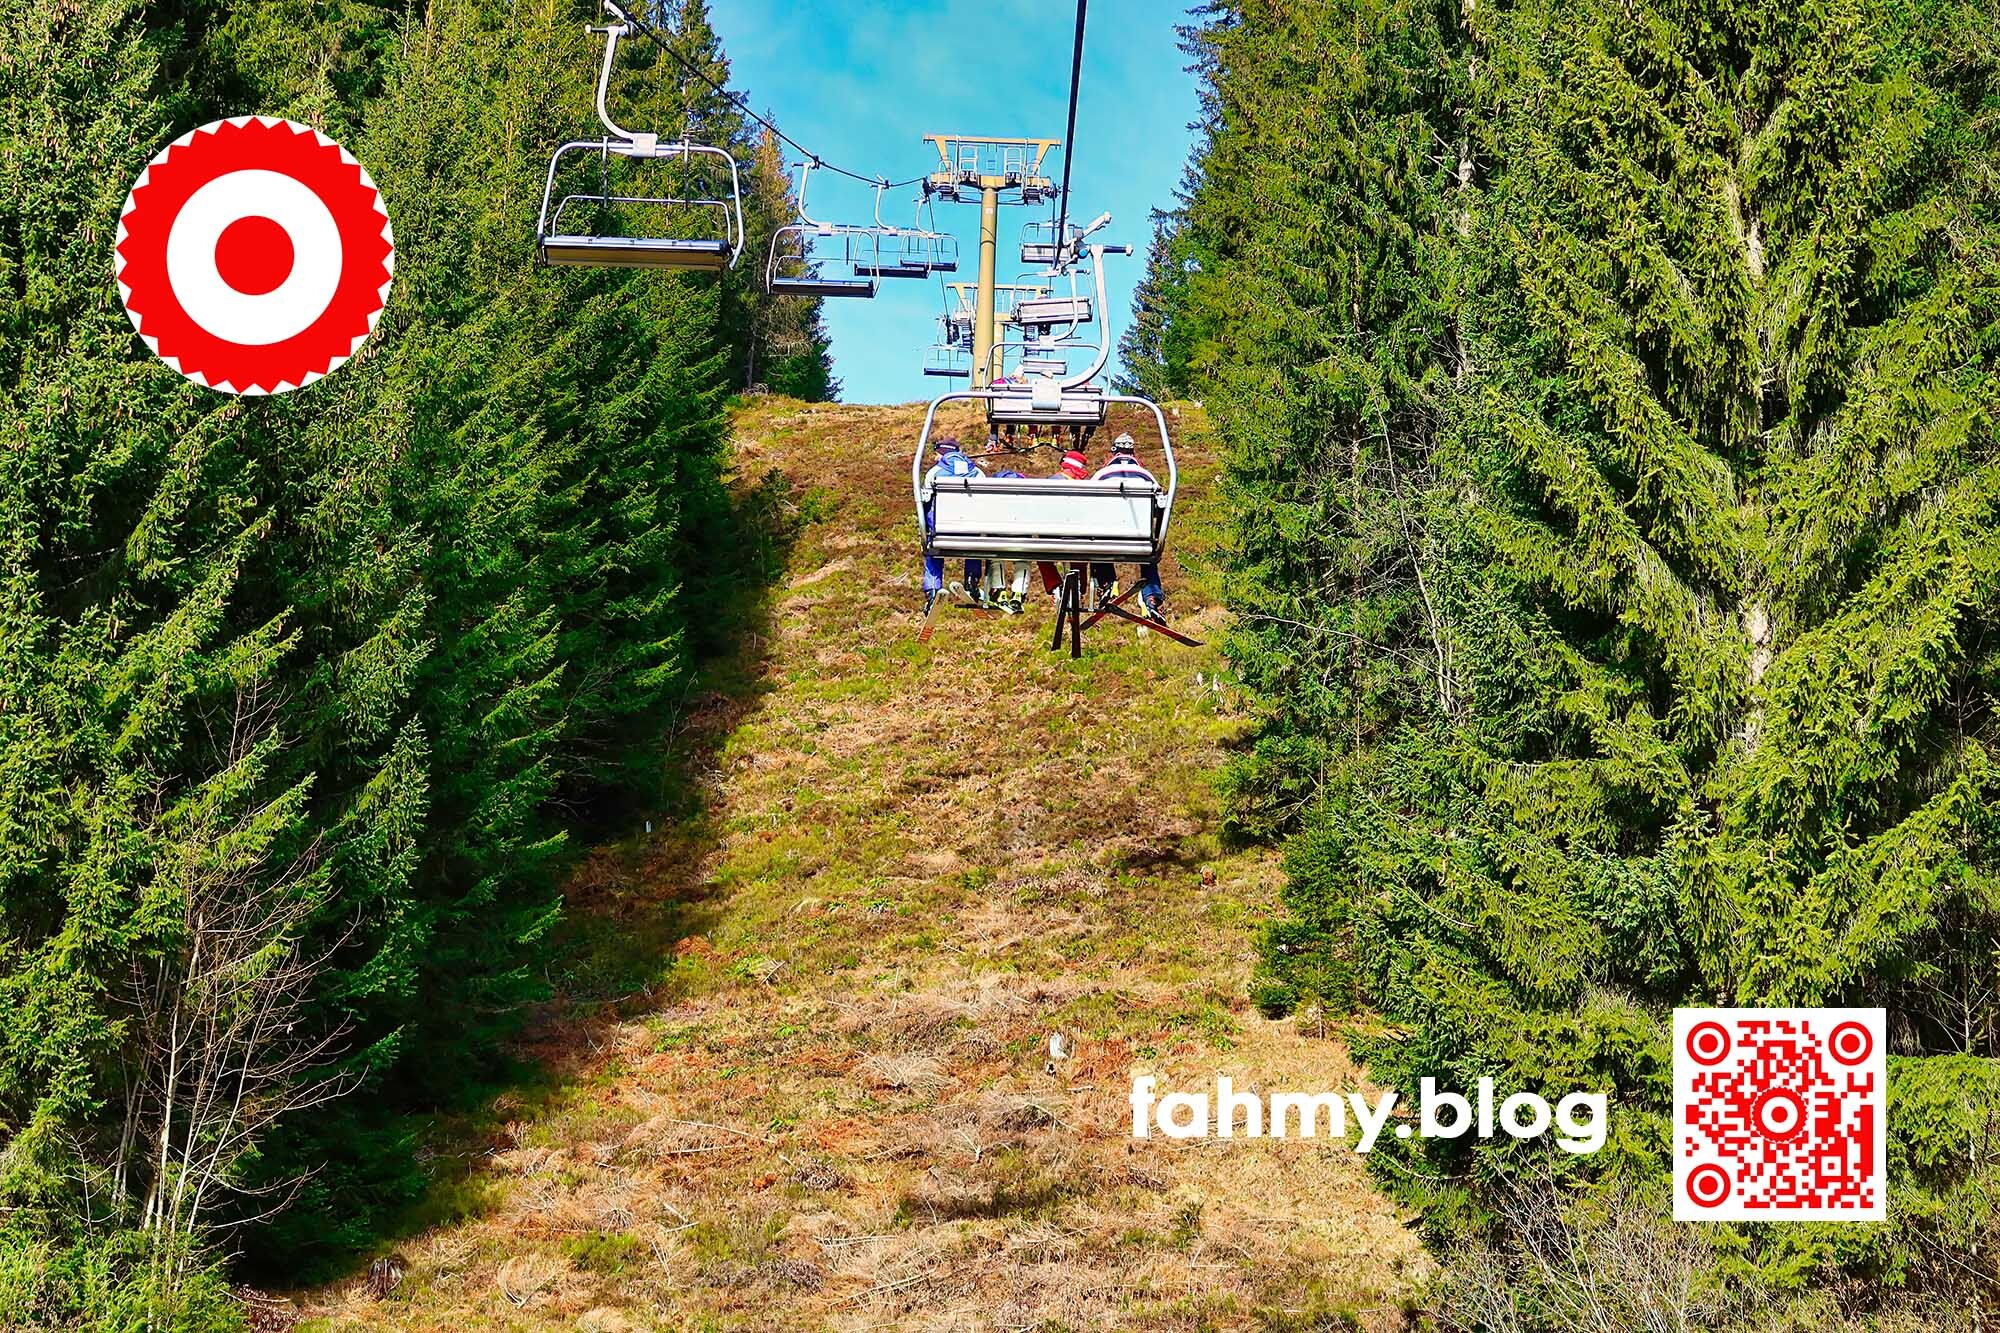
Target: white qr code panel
[1779,1115]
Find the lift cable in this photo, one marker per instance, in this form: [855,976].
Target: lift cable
[736,100]
[1069,134]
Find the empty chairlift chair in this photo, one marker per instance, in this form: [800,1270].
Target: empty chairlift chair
[1039,245]
[625,222]
[909,252]
[946,362]
[812,258]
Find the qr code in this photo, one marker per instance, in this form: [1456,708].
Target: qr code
[1779,1115]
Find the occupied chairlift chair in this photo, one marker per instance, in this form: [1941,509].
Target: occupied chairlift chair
[706,254]
[1053,310]
[1071,524]
[1045,400]
[802,252]
[1068,523]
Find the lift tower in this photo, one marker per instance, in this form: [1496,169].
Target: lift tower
[996,172]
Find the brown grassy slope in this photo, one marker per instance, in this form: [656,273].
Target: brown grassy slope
[831,1107]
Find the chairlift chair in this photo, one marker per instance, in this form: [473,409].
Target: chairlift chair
[1054,244]
[1039,245]
[909,252]
[1067,523]
[1051,400]
[1044,518]
[803,252]
[944,361]
[1050,312]
[607,249]
[1047,401]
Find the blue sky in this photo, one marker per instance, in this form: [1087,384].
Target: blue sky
[860,82]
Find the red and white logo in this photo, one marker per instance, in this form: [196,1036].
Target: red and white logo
[1779,1115]
[254,255]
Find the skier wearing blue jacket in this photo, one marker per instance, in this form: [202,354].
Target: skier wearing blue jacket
[951,462]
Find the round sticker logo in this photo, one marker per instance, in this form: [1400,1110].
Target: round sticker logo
[254,255]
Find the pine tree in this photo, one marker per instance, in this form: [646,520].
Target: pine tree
[1142,350]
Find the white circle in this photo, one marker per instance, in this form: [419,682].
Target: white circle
[295,304]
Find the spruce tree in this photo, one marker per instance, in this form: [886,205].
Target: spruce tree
[1607,402]
[367,649]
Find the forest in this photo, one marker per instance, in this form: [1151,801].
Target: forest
[1608,399]
[303,697]
[1605,399]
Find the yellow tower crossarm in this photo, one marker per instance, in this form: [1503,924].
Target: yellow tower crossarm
[980,163]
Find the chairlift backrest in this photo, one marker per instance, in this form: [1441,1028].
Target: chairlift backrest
[1044,518]
[946,361]
[1040,247]
[660,246]
[914,251]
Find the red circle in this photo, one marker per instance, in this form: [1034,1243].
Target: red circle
[1860,1032]
[1769,1114]
[1708,1185]
[254,255]
[208,356]
[1702,1035]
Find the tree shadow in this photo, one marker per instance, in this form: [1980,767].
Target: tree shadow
[640,891]
[628,902]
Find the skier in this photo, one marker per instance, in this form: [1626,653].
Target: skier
[1125,466]
[951,462]
[1076,467]
[1007,580]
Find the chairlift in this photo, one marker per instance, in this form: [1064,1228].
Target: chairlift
[1052,312]
[1070,524]
[910,252]
[803,251]
[607,203]
[1039,246]
[1007,297]
[1049,399]
[1040,312]
[944,361]
[1044,518]
[1042,247]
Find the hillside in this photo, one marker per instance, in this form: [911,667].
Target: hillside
[819,1097]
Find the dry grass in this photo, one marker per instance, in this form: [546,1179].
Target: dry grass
[830,1105]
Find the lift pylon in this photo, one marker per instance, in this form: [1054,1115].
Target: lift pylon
[996,171]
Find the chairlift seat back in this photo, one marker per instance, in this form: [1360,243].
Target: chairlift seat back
[1049,311]
[822,285]
[1047,403]
[1044,518]
[637,252]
